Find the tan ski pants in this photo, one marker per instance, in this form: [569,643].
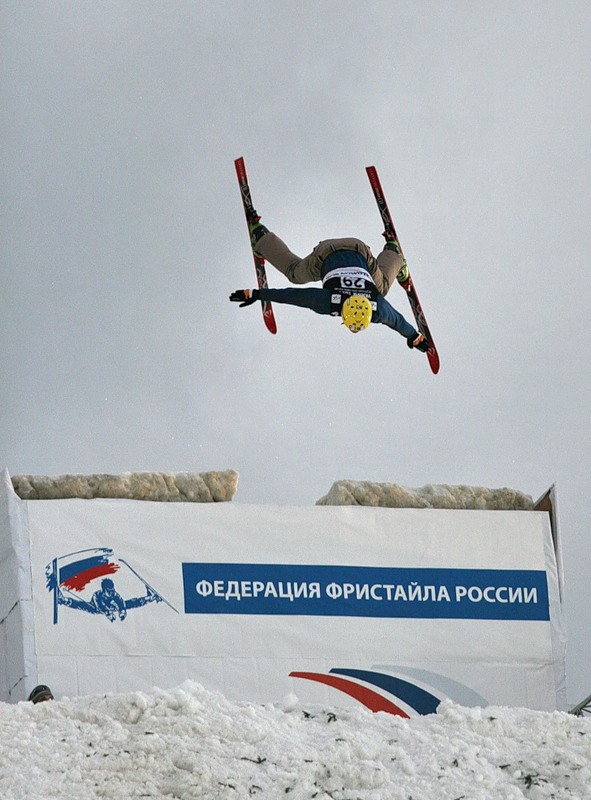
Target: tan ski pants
[383,269]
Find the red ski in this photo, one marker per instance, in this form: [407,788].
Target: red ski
[408,285]
[259,263]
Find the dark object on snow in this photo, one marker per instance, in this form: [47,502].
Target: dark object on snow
[40,694]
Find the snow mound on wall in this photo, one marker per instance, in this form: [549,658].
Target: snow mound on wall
[185,487]
[391,495]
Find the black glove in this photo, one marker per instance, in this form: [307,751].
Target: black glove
[244,296]
[419,342]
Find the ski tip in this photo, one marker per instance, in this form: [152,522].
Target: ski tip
[433,357]
[269,318]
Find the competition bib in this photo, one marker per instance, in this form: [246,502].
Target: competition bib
[351,278]
[347,281]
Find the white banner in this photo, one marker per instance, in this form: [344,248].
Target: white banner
[393,608]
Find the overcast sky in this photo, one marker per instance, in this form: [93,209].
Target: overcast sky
[123,235]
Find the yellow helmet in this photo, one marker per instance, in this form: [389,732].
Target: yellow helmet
[356,313]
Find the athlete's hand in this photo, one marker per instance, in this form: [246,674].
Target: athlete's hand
[244,296]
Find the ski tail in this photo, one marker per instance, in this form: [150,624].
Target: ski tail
[259,263]
[408,285]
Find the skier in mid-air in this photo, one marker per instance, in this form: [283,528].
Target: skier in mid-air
[354,282]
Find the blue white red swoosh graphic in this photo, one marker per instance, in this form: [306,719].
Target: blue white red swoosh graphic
[381,691]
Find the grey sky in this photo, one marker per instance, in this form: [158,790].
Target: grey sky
[123,235]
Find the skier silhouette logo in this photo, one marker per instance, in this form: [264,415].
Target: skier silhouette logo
[80,581]
[109,602]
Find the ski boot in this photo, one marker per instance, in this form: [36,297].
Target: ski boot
[256,229]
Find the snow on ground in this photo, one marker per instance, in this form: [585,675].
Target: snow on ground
[191,743]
